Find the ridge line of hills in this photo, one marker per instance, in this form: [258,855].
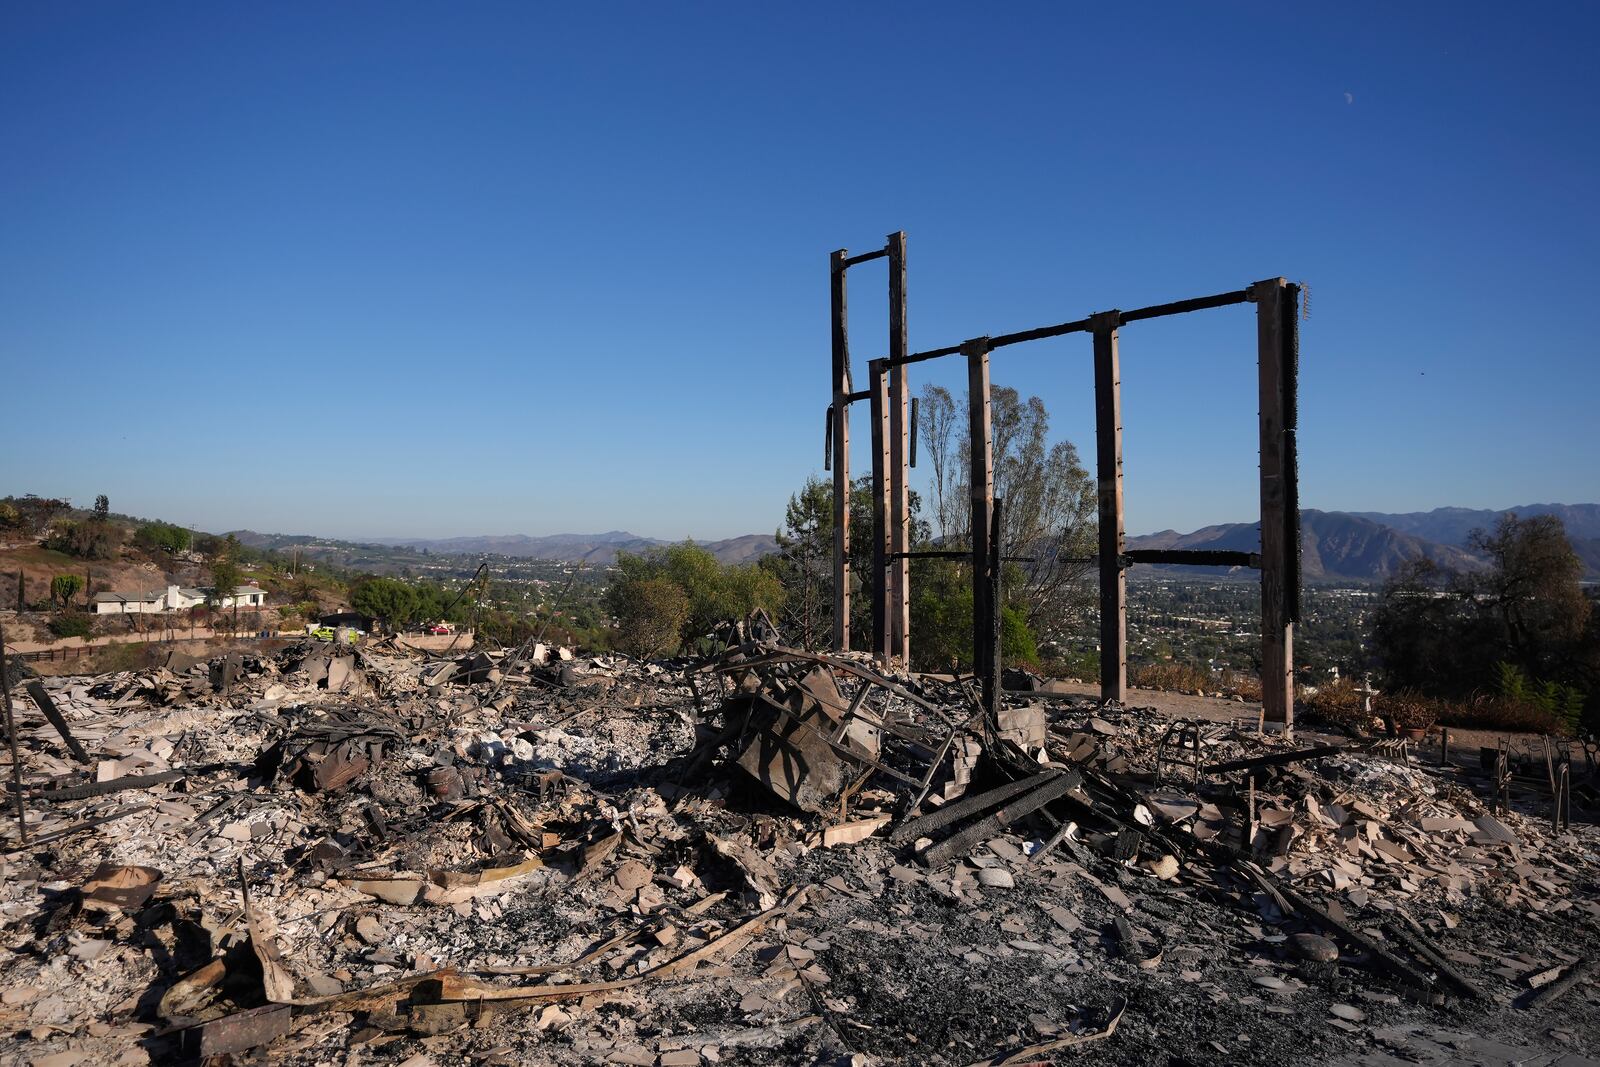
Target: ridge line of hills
[1337,545]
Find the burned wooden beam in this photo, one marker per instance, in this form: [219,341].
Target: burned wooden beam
[1414,981]
[841,451]
[902,453]
[1108,473]
[36,690]
[79,827]
[1280,521]
[878,379]
[965,807]
[1578,972]
[1177,307]
[1274,759]
[965,840]
[131,781]
[1425,950]
[11,731]
[1192,557]
[865,257]
[981,444]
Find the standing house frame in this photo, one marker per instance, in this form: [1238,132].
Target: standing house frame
[1277,347]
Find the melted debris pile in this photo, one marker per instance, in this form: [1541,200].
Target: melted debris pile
[770,856]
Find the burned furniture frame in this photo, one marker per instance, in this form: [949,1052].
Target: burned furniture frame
[1277,345]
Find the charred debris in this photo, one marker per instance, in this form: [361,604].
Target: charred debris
[766,856]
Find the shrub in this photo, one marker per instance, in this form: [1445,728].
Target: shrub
[1563,704]
[1058,663]
[1409,710]
[1339,703]
[86,540]
[71,624]
[1242,683]
[1184,677]
[1491,711]
[651,613]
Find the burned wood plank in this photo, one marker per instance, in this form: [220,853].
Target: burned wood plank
[1193,557]
[1578,972]
[36,690]
[133,781]
[961,809]
[87,824]
[991,825]
[1412,980]
[1274,759]
[1425,950]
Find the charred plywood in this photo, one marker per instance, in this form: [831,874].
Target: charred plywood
[790,755]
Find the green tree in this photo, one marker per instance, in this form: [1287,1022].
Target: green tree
[102,508]
[391,601]
[1050,500]
[1444,632]
[162,536]
[715,593]
[651,613]
[37,512]
[803,566]
[941,619]
[226,575]
[63,587]
[1532,587]
[86,540]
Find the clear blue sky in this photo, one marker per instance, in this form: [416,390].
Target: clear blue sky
[392,268]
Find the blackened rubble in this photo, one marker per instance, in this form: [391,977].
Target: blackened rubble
[769,856]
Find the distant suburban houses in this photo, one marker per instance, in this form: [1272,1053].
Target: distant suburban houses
[174,598]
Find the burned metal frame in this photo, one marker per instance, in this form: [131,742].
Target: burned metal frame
[1277,343]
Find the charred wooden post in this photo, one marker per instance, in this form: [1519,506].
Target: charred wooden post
[980,437]
[882,535]
[841,452]
[900,427]
[11,737]
[992,664]
[1108,471]
[1277,306]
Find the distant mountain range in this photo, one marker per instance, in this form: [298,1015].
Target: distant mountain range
[1363,546]
[1370,545]
[601,548]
